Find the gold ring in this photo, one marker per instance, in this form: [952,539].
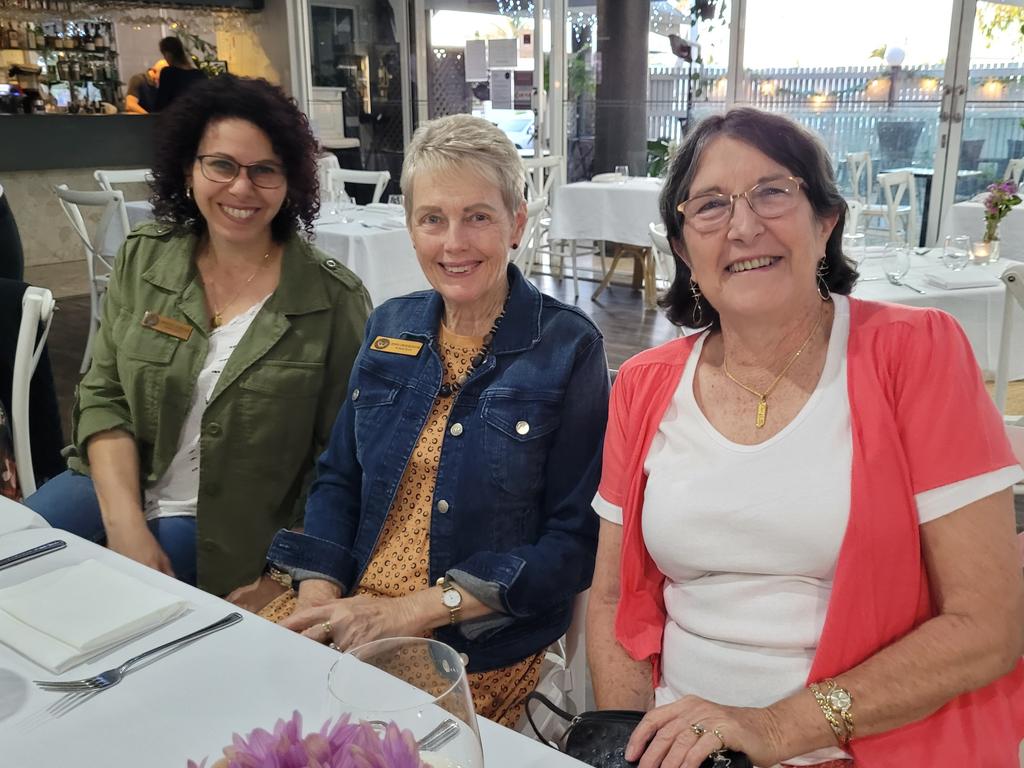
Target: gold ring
[721,738]
[328,629]
[698,729]
[333,646]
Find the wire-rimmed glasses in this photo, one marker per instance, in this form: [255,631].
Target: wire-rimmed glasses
[224,170]
[768,199]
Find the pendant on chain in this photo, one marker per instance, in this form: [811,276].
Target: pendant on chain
[762,412]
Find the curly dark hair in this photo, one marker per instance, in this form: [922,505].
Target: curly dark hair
[791,146]
[182,125]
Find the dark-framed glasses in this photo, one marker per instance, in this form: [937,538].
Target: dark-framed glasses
[768,199]
[224,170]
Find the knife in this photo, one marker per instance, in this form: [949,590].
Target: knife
[32,554]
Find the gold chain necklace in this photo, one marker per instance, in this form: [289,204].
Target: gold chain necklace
[762,404]
[218,314]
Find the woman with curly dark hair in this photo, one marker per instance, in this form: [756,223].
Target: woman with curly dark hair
[223,353]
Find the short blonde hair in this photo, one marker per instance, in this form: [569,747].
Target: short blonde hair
[463,142]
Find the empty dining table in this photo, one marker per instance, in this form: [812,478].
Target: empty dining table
[185,705]
[611,209]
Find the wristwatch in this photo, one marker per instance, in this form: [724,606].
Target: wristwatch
[451,598]
[841,702]
[280,577]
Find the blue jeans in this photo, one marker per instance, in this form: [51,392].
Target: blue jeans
[69,502]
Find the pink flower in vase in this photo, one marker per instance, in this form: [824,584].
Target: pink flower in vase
[1001,198]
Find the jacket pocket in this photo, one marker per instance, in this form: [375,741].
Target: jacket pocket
[371,400]
[517,434]
[284,379]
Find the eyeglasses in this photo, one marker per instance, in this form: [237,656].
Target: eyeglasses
[224,170]
[769,200]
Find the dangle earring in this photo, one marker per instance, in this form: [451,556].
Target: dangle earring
[698,310]
[188,192]
[823,290]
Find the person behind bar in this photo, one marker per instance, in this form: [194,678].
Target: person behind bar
[178,76]
[455,495]
[225,344]
[142,90]
[807,546]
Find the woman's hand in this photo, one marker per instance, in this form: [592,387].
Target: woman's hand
[672,741]
[256,596]
[135,540]
[351,621]
[315,592]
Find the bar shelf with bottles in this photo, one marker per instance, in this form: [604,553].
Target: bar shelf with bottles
[75,59]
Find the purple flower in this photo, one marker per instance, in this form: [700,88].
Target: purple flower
[343,745]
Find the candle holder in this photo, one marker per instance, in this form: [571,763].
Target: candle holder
[984,251]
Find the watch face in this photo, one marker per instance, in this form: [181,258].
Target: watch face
[840,699]
[451,598]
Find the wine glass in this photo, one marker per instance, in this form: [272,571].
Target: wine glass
[623,173]
[896,261]
[416,683]
[956,252]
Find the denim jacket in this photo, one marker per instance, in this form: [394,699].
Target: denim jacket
[512,520]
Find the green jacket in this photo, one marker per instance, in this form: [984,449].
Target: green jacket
[272,410]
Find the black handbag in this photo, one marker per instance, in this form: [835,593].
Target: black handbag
[599,738]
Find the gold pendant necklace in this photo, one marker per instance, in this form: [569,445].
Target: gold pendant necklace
[218,314]
[762,397]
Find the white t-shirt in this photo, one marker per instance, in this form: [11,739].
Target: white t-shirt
[748,537]
[177,492]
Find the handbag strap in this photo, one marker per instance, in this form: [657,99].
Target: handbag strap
[534,696]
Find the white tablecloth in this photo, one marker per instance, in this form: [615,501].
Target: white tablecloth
[185,705]
[382,258]
[969,219]
[614,211]
[978,310]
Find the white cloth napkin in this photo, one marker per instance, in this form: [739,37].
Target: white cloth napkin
[967,278]
[68,615]
[608,178]
[393,210]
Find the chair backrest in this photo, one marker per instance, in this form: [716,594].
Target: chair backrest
[664,259]
[528,246]
[854,209]
[859,166]
[1015,169]
[324,165]
[102,245]
[12,257]
[543,174]
[897,142]
[896,187]
[36,307]
[970,153]
[107,179]
[1013,279]
[343,176]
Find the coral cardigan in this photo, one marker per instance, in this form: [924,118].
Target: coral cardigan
[921,419]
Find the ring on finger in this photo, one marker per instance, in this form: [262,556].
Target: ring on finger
[335,647]
[328,629]
[721,739]
[698,729]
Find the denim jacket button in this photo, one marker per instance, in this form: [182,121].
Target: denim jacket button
[522,427]
[355,394]
[455,429]
[442,506]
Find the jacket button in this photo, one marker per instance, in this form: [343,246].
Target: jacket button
[331,264]
[442,506]
[455,429]
[213,430]
[522,427]
[355,394]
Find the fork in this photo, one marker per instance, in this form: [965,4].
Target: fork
[897,281]
[113,676]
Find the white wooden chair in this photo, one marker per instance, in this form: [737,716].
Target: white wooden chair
[107,179]
[37,306]
[1014,170]
[378,179]
[858,165]
[1016,434]
[324,165]
[664,259]
[100,247]
[1013,279]
[527,252]
[855,208]
[900,205]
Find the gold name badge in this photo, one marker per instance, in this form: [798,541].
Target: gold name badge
[163,324]
[396,346]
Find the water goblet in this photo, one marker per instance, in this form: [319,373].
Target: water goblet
[855,246]
[623,173]
[416,683]
[956,252]
[896,261]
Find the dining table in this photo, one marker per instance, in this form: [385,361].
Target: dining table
[371,240]
[968,218]
[187,704]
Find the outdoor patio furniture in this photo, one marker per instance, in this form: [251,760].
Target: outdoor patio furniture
[897,142]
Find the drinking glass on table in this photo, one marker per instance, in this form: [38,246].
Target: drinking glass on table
[956,252]
[623,173]
[416,683]
[855,246]
[896,261]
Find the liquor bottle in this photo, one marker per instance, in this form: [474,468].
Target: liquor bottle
[88,41]
[101,41]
